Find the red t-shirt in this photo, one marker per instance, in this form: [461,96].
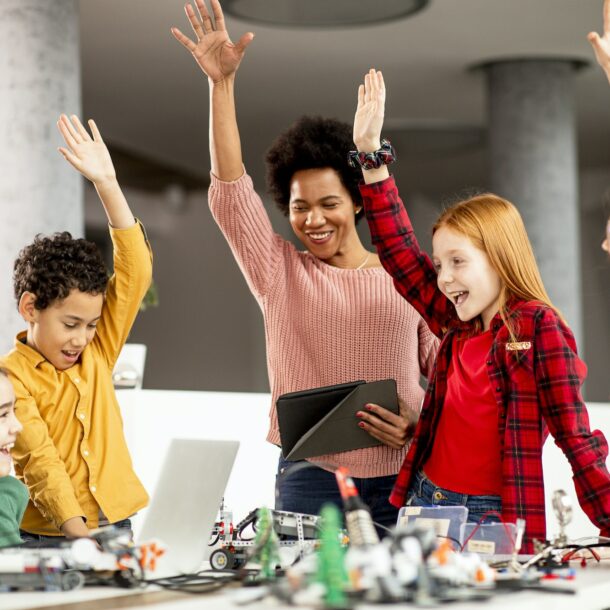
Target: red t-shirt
[465,454]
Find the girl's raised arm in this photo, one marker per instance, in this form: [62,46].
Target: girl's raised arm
[392,234]
[368,122]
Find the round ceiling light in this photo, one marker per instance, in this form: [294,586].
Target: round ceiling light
[321,13]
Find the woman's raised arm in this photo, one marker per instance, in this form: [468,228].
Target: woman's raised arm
[219,59]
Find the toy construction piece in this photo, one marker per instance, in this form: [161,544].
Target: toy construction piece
[358,520]
[266,546]
[331,571]
[149,555]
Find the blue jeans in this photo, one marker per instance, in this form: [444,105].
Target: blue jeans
[301,487]
[38,540]
[424,492]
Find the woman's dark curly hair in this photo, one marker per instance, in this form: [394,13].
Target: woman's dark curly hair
[51,267]
[312,142]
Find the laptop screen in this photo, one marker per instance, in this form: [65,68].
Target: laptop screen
[184,506]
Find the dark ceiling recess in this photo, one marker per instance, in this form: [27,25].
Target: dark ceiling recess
[140,172]
[321,13]
[433,139]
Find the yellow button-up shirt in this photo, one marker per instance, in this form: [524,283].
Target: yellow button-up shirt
[72,453]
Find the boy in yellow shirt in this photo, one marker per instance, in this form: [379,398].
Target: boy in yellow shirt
[72,453]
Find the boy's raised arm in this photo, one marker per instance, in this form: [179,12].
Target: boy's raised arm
[132,273]
[91,158]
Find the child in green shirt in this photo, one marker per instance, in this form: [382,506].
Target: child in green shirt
[13,493]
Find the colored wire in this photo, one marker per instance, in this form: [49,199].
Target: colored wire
[489,513]
[456,543]
[575,548]
[206,581]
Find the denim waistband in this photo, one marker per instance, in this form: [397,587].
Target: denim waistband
[426,488]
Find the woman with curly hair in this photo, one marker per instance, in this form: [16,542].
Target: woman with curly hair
[331,314]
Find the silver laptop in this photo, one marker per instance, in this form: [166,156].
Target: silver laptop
[185,503]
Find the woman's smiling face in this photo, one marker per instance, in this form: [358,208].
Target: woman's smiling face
[322,213]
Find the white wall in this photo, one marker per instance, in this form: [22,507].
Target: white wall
[152,418]
[558,475]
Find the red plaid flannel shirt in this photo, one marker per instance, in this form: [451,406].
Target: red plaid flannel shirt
[537,387]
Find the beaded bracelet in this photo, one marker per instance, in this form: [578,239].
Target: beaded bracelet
[373,160]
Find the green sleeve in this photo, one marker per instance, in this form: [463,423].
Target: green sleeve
[13,501]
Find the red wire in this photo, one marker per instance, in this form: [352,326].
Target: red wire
[569,555]
[478,525]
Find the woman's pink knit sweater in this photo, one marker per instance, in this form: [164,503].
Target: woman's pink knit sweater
[324,325]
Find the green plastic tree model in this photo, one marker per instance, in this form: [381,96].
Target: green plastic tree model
[331,559]
[266,545]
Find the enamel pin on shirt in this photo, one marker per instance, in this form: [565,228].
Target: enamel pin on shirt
[518,346]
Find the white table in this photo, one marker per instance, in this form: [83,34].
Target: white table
[153,417]
[592,584]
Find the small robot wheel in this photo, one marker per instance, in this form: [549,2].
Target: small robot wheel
[72,580]
[221,559]
[125,579]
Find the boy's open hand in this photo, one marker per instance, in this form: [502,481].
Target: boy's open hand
[601,44]
[216,55]
[86,154]
[369,113]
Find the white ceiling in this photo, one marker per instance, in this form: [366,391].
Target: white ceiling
[148,95]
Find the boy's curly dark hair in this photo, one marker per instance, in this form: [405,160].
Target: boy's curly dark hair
[51,267]
[312,142]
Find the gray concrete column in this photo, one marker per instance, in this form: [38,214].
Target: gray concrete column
[534,165]
[39,79]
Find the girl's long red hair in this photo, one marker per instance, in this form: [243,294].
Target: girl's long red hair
[495,226]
